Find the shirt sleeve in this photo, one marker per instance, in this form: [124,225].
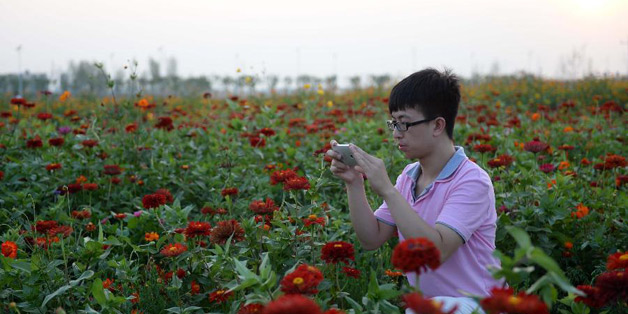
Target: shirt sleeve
[383,212]
[467,205]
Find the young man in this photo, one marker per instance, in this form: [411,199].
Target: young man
[443,197]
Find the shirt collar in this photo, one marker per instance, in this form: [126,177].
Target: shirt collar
[451,166]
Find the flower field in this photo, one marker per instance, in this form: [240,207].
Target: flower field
[227,205]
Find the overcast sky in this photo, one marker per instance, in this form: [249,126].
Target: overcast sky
[342,37]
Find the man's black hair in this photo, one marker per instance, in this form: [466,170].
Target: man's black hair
[430,92]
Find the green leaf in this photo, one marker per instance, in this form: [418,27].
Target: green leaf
[21,265]
[355,305]
[99,292]
[522,238]
[539,257]
[243,271]
[85,275]
[56,293]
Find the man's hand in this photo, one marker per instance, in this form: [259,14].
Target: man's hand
[339,169]
[374,169]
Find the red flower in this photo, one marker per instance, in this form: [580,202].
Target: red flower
[51,167]
[153,200]
[18,101]
[339,251]
[44,116]
[164,123]
[253,308]
[89,143]
[130,128]
[260,207]
[415,255]
[281,176]
[83,214]
[267,131]
[351,272]
[1,175]
[64,230]
[225,229]
[593,298]
[484,148]
[618,260]
[195,288]
[176,249]
[90,186]
[211,211]
[334,311]
[166,193]
[303,280]
[420,305]
[74,187]
[229,191]
[57,141]
[197,228]
[34,143]
[314,220]
[503,300]
[504,160]
[535,146]
[296,183]
[619,180]
[9,249]
[108,284]
[547,168]
[219,296]
[292,303]
[613,285]
[611,161]
[256,141]
[43,226]
[112,170]
[119,216]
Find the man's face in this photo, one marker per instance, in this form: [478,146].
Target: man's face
[416,141]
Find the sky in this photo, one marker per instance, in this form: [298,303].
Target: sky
[553,38]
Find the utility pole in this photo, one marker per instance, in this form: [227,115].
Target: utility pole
[19,70]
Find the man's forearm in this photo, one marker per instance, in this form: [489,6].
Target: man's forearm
[408,222]
[362,218]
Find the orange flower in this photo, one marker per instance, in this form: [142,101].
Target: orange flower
[568,245]
[171,250]
[65,96]
[9,249]
[563,165]
[535,116]
[568,129]
[393,273]
[151,236]
[581,211]
[551,184]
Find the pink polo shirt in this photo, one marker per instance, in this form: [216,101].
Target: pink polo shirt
[461,198]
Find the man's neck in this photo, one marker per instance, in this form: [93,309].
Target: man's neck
[434,163]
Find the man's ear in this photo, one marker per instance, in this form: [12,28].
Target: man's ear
[439,126]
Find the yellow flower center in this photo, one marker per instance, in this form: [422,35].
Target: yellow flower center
[219,292]
[312,216]
[337,245]
[436,304]
[514,300]
[624,257]
[297,281]
[173,249]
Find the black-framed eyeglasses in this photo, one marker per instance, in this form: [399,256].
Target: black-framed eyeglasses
[403,126]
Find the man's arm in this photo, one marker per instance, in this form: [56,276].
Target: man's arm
[371,232]
[412,226]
